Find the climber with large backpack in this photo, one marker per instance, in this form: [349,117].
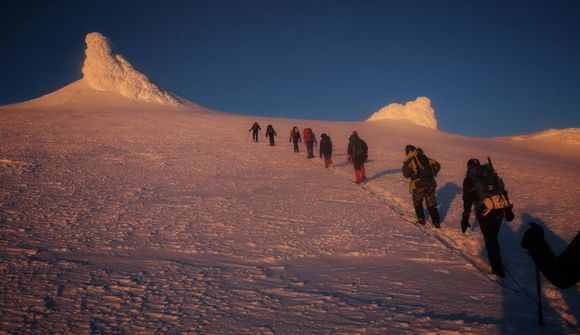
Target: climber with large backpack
[310,141]
[295,138]
[422,171]
[357,153]
[271,133]
[485,191]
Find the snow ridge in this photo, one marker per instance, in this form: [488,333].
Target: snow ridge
[568,136]
[418,112]
[104,70]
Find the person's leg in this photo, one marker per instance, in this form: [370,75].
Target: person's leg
[363,173]
[432,207]
[490,228]
[418,204]
[357,174]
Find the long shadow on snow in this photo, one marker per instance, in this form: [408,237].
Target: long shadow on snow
[384,173]
[445,196]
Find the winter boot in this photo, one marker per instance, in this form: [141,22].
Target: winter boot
[420,214]
[434,214]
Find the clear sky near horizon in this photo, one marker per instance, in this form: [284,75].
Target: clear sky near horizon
[489,67]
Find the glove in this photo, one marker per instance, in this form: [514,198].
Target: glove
[465,223]
[533,237]
[509,213]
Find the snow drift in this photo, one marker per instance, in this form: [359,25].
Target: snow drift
[418,112]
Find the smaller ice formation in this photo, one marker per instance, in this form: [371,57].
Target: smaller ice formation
[418,112]
[104,70]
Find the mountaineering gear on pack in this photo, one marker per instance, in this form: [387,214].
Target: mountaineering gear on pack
[421,169]
[473,162]
[488,189]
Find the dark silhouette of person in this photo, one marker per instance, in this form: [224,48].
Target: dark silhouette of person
[490,220]
[357,155]
[295,138]
[326,150]
[563,271]
[270,133]
[255,129]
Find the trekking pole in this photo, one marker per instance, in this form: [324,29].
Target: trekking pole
[539,302]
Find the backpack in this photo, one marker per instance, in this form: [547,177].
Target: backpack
[360,150]
[307,132]
[420,166]
[424,167]
[488,188]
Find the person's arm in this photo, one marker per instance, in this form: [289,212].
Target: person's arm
[468,200]
[562,271]
[436,167]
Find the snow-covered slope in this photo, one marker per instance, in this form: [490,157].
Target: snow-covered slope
[133,221]
[118,218]
[418,112]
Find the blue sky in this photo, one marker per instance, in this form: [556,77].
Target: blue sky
[489,67]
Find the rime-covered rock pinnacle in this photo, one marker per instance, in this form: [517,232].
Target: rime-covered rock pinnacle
[104,70]
[419,112]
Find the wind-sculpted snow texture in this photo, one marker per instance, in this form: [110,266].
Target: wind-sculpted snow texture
[106,71]
[417,112]
[135,221]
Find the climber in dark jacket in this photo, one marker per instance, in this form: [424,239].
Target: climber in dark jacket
[357,155]
[255,129]
[489,221]
[326,150]
[270,133]
[562,271]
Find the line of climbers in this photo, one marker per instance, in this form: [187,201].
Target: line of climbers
[357,148]
[483,190]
